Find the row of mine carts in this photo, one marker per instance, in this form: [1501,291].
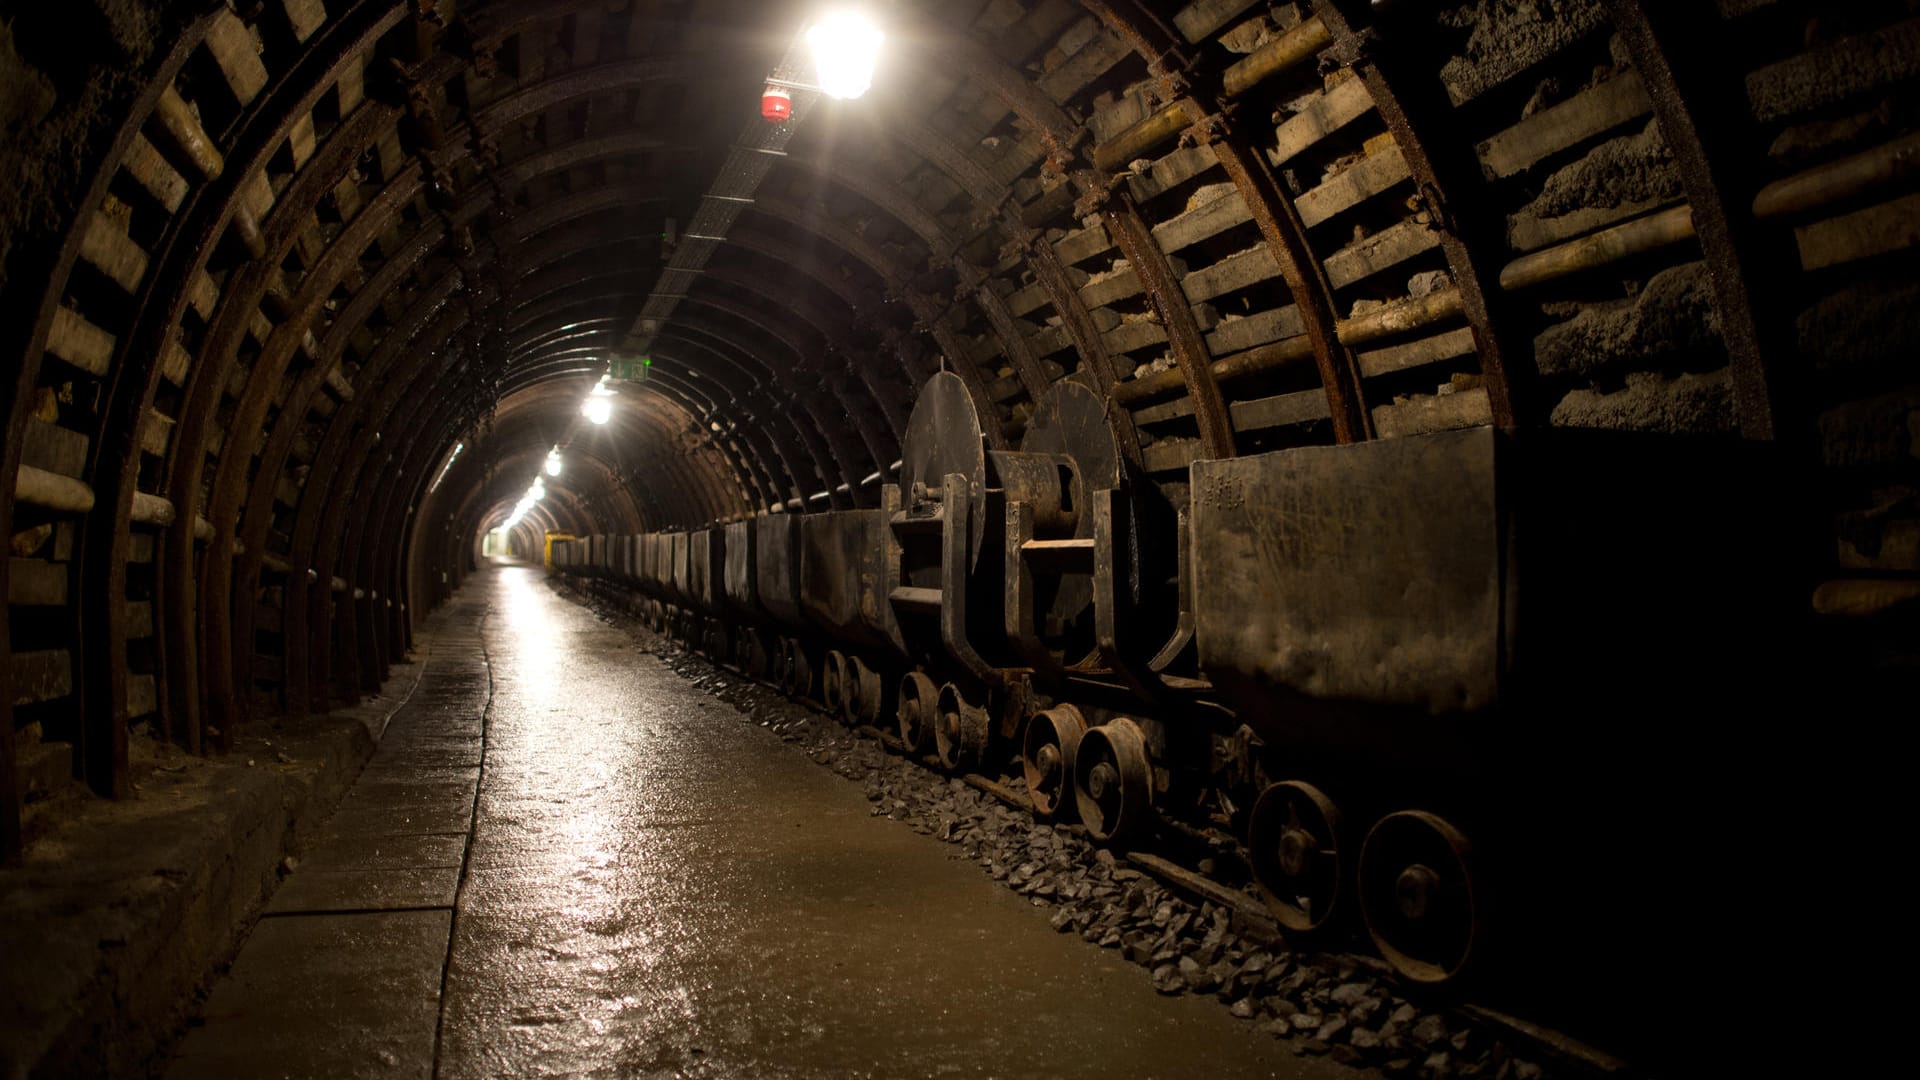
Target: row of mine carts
[1409,675]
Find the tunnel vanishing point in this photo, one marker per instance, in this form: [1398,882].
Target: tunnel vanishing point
[1433,481]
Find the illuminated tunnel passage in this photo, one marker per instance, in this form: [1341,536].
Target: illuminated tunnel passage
[1381,469]
[651,886]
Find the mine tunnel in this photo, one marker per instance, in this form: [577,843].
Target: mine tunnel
[1039,538]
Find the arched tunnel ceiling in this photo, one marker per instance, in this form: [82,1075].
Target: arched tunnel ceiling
[342,237]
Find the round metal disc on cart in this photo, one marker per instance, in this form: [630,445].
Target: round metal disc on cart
[1072,420]
[943,437]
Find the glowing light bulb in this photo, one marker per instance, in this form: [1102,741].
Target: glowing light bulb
[598,409]
[553,462]
[845,46]
[520,510]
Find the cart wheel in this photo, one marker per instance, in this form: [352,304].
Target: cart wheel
[1419,897]
[916,712]
[960,734]
[863,694]
[799,670]
[1113,781]
[1293,837]
[1046,757]
[833,681]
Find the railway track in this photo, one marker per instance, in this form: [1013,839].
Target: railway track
[1145,900]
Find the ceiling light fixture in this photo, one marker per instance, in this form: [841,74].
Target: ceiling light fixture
[845,47]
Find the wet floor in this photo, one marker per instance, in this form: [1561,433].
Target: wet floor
[564,860]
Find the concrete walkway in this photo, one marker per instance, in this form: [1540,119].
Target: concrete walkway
[646,886]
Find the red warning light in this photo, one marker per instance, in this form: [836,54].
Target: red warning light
[776,104]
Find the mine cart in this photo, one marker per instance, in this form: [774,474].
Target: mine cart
[776,585]
[1436,635]
[1091,588]
[675,577]
[945,582]
[628,569]
[740,595]
[706,569]
[842,566]
[1031,581]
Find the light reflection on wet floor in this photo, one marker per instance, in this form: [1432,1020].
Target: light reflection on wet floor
[656,888]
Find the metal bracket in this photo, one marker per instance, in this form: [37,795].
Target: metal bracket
[1099,190]
[1169,73]
[1427,199]
[1207,130]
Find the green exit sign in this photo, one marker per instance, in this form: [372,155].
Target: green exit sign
[632,369]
